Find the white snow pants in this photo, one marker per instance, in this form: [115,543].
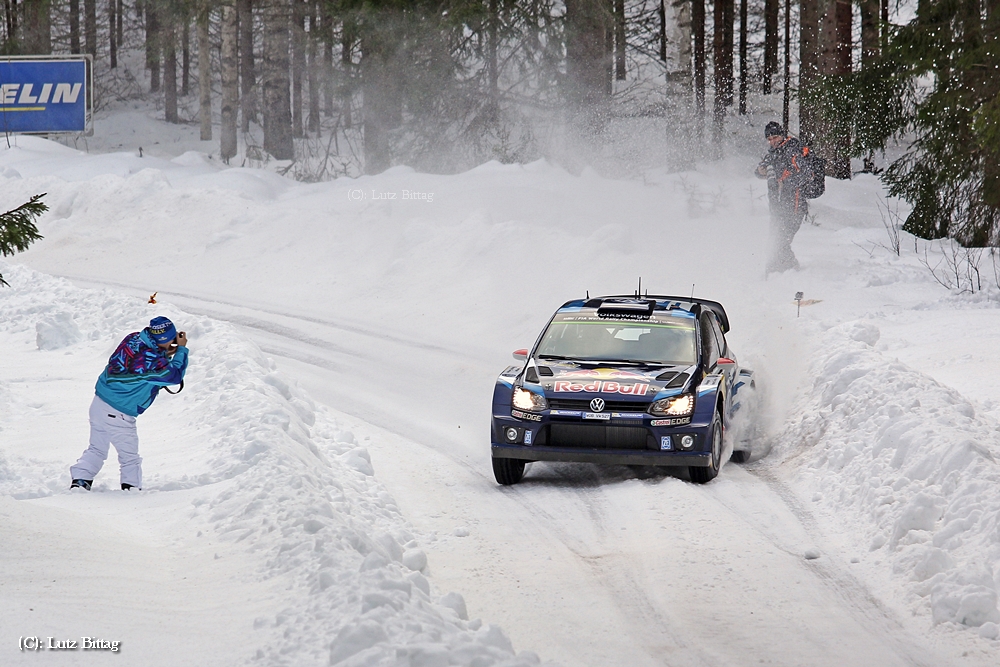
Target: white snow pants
[110,427]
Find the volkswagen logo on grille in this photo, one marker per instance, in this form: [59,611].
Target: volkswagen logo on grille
[597,404]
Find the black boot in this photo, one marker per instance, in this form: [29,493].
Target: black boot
[81,484]
[126,487]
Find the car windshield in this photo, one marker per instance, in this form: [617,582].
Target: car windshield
[657,340]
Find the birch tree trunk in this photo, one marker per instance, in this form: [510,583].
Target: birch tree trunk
[230,81]
[204,74]
[683,21]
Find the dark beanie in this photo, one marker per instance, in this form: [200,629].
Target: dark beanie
[773,128]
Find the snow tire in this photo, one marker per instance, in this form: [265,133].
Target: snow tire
[508,471]
[703,475]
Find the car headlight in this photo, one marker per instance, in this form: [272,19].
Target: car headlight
[528,400]
[675,406]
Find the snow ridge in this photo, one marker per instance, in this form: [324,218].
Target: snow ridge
[269,472]
[915,463]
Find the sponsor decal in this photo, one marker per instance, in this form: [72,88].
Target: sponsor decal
[604,374]
[44,95]
[527,416]
[673,421]
[709,383]
[565,413]
[665,444]
[628,415]
[607,387]
[527,437]
[603,416]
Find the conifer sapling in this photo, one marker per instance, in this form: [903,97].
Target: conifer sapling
[17,228]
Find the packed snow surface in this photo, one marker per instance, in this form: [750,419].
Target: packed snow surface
[320,492]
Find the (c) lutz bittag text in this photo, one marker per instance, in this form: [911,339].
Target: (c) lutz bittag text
[56,644]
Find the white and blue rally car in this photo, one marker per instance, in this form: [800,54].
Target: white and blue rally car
[626,380]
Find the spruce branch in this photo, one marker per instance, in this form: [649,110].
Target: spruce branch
[17,227]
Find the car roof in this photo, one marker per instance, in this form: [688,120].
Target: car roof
[633,305]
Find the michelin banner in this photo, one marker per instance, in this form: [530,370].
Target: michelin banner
[43,95]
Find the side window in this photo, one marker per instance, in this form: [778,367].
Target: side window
[719,337]
[709,343]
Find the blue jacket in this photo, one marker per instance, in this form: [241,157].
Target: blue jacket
[136,371]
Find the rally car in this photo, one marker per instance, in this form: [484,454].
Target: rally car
[624,380]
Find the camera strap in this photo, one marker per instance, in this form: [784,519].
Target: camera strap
[179,389]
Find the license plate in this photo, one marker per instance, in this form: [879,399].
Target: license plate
[603,416]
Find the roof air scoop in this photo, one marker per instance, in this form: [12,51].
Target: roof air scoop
[638,308]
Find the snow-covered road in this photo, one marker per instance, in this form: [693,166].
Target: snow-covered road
[584,564]
[387,325]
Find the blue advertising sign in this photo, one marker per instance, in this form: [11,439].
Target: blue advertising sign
[43,95]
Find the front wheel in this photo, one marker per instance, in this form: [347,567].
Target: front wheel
[703,475]
[508,471]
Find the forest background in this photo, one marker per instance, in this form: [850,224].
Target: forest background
[327,88]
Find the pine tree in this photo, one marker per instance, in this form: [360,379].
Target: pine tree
[17,228]
[935,84]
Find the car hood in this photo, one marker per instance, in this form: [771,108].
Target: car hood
[617,382]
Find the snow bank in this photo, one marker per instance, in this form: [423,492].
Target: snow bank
[879,443]
[270,471]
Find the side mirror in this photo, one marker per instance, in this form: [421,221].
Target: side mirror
[520,355]
[725,361]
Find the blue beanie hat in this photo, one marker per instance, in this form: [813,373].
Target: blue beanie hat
[162,330]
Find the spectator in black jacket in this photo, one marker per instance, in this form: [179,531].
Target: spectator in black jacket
[785,177]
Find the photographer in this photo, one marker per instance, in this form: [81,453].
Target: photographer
[784,170]
[144,362]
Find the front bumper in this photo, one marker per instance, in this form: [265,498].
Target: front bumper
[616,441]
[629,457]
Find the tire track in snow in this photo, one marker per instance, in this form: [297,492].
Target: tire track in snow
[857,597]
